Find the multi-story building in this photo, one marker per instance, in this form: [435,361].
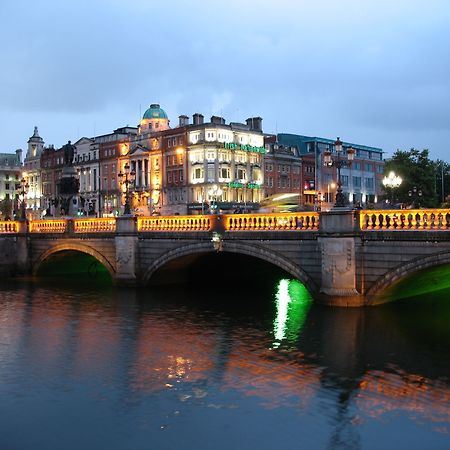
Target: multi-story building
[86,163]
[32,173]
[113,152]
[282,168]
[10,181]
[361,181]
[225,164]
[52,163]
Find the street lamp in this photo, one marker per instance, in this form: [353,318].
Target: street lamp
[415,195]
[392,181]
[214,193]
[23,191]
[126,178]
[339,162]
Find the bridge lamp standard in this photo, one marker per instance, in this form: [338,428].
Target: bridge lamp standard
[339,162]
[23,191]
[127,178]
[415,195]
[214,193]
[392,181]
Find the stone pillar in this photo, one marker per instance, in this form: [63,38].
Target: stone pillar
[22,257]
[126,251]
[338,236]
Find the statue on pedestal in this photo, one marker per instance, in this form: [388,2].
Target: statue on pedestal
[69,185]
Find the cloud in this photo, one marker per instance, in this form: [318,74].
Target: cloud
[312,67]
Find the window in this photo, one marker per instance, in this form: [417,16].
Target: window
[240,174]
[357,166]
[198,173]
[344,180]
[225,172]
[357,182]
[368,167]
[211,172]
[369,183]
[181,175]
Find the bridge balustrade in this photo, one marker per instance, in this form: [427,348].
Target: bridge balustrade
[48,226]
[100,225]
[412,219]
[174,223]
[271,222]
[8,226]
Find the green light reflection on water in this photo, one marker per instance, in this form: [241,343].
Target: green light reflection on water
[293,302]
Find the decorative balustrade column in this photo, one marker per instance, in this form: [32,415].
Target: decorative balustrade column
[126,241]
[338,241]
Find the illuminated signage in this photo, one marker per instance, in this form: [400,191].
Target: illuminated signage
[245,148]
[236,184]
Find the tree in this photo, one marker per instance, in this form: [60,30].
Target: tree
[419,187]
[6,207]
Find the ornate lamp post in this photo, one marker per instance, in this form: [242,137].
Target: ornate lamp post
[23,192]
[127,178]
[415,195]
[392,181]
[214,193]
[339,162]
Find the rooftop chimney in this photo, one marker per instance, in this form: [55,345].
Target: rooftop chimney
[217,120]
[198,119]
[255,123]
[184,120]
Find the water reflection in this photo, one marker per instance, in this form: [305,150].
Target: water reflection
[147,362]
[293,302]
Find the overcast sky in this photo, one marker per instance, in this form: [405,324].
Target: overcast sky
[372,72]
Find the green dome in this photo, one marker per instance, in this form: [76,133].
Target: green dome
[155,112]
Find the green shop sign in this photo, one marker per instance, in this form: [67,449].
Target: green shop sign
[235,184]
[245,148]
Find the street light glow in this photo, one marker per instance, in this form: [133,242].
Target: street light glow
[392,180]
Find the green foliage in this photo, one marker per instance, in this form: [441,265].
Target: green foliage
[420,175]
[6,207]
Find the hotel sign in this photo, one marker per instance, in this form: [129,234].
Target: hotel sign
[245,148]
[236,184]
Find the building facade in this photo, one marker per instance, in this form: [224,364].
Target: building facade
[32,173]
[11,193]
[361,181]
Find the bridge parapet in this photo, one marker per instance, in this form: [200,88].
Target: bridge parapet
[48,226]
[405,219]
[271,222]
[101,225]
[8,226]
[174,223]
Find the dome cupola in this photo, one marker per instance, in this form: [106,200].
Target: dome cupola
[154,119]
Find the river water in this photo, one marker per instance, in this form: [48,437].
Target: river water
[85,367]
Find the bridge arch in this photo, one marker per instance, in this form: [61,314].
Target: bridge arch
[238,248]
[75,247]
[404,270]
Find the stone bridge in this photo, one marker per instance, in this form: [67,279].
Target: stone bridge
[343,257]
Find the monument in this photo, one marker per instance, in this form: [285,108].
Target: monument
[69,184]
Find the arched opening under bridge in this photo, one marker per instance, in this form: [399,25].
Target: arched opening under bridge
[426,284]
[73,266]
[210,272]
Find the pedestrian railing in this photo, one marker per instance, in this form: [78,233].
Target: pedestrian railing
[48,226]
[271,222]
[101,225]
[369,220]
[405,219]
[9,226]
[174,223]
